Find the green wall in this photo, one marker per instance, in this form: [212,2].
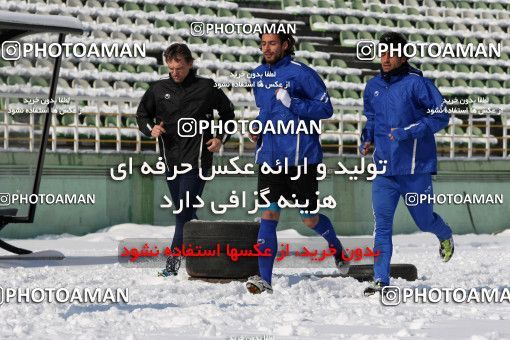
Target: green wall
[137,198]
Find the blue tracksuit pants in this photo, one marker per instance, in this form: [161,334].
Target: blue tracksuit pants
[386,192]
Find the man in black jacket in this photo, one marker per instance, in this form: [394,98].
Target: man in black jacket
[170,111]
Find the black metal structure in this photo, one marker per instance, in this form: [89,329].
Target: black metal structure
[13,26]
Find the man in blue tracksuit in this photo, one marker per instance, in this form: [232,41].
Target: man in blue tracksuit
[301,97]
[403,110]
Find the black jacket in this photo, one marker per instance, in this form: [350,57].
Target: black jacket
[194,98]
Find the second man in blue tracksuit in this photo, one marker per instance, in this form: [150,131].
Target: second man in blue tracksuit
[403,110]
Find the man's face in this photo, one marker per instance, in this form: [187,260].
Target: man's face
[179,69]
[272,48]
[389,63]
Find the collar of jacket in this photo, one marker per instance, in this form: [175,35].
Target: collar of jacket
[192,75]
[399,72]
[282,62]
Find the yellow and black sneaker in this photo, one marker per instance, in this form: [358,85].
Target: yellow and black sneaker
[446,249]
[375,287]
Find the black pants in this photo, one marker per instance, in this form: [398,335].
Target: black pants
[303,188]
[188,182]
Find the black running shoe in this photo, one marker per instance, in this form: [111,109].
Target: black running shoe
[173,263]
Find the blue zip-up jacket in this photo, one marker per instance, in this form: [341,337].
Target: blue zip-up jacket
[309,101]
[401,99]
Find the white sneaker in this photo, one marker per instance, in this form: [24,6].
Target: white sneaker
[342,265]
[257,285]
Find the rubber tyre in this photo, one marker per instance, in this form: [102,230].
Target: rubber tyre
[366,272]
[243,235]
[207,234]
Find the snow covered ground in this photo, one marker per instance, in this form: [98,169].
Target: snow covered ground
[301,307]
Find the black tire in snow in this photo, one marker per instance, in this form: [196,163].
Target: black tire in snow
[207,234]
[365,272]
[243,235]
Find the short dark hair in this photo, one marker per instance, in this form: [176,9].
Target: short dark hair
[393,38]
[178,51]
[285,37]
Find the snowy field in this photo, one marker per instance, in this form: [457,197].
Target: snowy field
[301,307]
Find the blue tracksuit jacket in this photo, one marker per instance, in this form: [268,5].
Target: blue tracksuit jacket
[309,101]
[402,101]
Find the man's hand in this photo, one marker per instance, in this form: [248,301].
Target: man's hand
[214,144]
[158,130]
[283,96]
[398,134]
[364,148]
